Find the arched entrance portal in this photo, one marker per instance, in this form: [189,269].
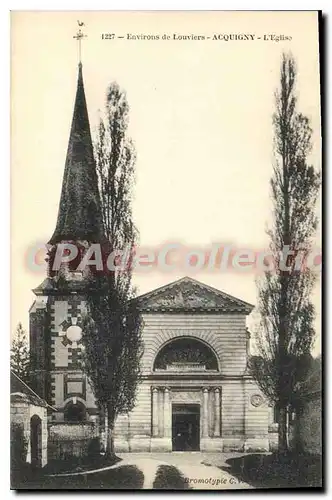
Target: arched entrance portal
[36,441]
[185,395]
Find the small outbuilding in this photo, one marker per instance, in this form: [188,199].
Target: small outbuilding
[28,423]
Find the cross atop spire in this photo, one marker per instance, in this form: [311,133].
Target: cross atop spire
[79,35]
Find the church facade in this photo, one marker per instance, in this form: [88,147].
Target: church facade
[196,392]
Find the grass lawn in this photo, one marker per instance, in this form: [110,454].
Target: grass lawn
[274,471]
[123,477]
[26,477]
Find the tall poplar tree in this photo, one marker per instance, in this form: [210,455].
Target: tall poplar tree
[112,338]
[285,335]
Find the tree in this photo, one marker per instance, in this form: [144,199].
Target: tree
[112,338]
[19,355]
[285,334]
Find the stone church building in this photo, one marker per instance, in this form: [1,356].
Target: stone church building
[196,393]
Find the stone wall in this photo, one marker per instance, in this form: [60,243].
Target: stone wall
[70,439]
[256,419]
[307,426]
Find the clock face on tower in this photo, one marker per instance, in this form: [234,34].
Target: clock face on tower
[74,333]
[71,331]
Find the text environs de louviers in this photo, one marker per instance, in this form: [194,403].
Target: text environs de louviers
[226,37]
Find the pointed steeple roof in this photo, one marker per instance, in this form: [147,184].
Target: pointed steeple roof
[79,216]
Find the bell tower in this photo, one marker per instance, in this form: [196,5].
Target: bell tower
[56,314]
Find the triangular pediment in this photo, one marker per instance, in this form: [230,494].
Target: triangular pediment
[189,295]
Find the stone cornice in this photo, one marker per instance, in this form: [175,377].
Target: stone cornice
[193,310]
[195,376]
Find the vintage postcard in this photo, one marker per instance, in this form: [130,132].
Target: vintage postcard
[166,235]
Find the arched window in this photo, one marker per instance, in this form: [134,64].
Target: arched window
[186,353]
[74,412]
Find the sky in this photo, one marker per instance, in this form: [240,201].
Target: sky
[200,117]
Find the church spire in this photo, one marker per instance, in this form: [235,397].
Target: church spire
[79,216]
